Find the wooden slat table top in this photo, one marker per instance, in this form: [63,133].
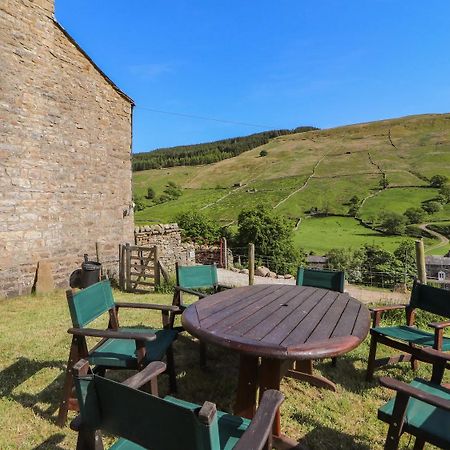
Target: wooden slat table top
[280,321]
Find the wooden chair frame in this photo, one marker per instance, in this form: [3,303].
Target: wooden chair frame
[411,353]
[79,349]
[405,392]
[180,306]
[258,435]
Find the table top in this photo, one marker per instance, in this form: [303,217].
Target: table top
[280,321]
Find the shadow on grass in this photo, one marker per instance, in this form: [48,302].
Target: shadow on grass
[51,443]
[322,437]
[21,371]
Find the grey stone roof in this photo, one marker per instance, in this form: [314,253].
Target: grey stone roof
[437,260]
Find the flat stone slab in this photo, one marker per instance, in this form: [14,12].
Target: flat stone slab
[44,278]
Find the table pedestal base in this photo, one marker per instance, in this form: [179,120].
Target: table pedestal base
[303,371]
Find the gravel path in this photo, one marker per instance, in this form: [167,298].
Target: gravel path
[235,279]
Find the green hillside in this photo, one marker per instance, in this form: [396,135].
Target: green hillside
[317,171]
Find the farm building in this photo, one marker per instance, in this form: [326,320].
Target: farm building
[65,152]
[438,269]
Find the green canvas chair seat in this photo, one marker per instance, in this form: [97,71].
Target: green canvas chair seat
[145,421]
[411,335]
[422,417]
[121,353]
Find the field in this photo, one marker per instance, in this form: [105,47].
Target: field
[35,346]
[320,170]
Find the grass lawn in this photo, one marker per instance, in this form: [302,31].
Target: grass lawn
[323,233]
[34,349]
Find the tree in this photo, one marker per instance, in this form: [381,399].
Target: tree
[272,236]
[393,223]
[348,261]
[172,190]
[414,215]
[431,207]
[406,255]
[438,181]
[444,193]
[150,193]
[384,182]
[263,153]
[139,204]
[354,205]
[198,228]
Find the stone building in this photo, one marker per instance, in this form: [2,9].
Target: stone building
[438,269]
[65,151]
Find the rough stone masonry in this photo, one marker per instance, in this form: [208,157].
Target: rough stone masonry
[65,151]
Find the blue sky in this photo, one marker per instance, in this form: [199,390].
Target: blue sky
[275,64]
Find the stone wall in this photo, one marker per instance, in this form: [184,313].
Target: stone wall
[65,140]
[168,240]
[170,248]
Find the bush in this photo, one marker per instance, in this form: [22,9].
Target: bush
[139,203]
[197,227]
[393,223]
[172,190]
[150,193]
[431,207]
[438,181]
[272,236]
[263,153]
[414,215]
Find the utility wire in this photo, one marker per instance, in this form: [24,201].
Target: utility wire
[213,119]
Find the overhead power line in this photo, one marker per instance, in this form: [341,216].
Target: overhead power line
[213,119]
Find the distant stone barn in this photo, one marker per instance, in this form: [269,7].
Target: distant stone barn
[65,151]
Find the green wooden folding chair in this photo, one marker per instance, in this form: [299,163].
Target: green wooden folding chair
[326,279]
[144,421]
[408,338]
[420,408]
[118,348]
[189,280]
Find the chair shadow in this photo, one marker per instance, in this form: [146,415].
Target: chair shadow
[51,443]
[323,437]
[22,370]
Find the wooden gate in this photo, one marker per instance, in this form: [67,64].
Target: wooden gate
[139,268]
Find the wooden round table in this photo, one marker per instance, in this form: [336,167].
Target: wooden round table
[273,325]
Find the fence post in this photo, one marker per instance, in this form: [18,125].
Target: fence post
[251,264]
[224,253]
[420,261]
[156,263]
[127,267]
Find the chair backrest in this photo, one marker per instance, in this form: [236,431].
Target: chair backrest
[88,304]
[326,279]
[142,418]
[431,299]
[204,276]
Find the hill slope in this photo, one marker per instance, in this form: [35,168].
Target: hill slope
[316,170]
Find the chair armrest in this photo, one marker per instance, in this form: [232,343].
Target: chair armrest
[439,325]
[112,334]
[170,308]
[436,356]
[378,311]
[260,429]
[191,291]
[411,391]
[144,376]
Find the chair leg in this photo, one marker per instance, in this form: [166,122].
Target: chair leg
[171,370]
[68,384]
[397,420]
[202,354]
[419,444]
[371,360]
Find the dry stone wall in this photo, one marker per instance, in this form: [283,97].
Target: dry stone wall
[65,140]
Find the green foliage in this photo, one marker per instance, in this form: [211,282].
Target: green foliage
[172,190]
[414,215]
[444,193]
[439,228]
[263,153]
[150,193]
[272,236]
[354,205]
[139,203]
[431,207]
[347,260]
[384,183]
[207,153]
[438,181]
[198,228]
[393,223]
